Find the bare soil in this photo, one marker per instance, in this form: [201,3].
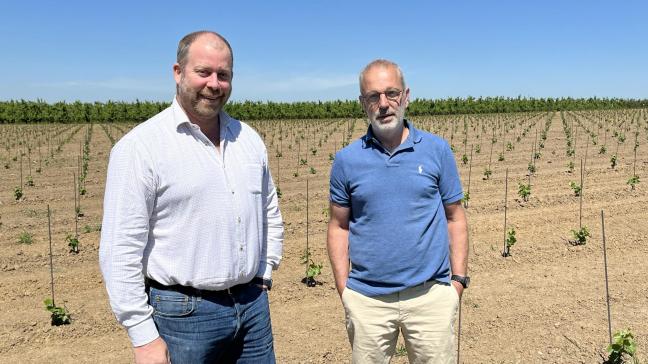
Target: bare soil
[546,303]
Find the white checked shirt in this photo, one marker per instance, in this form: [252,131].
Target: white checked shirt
[180,212]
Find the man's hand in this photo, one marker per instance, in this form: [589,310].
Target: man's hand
[458,287]
[155,352]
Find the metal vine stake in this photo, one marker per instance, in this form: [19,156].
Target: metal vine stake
[506,248]
[278,174]
[49,231]
[607,289]
[29,159]
[580,211]
[469,173]
[459,332]
[307,229]
[21,170]
[77,205]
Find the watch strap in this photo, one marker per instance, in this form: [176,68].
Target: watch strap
[263,282]
[463,280]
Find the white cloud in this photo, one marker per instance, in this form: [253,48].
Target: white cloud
[310,83]
[122,84]
[247,86]
[254,86]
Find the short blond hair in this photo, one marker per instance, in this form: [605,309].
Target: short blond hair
[184,44]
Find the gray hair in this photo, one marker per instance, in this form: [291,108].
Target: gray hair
[384,64]
[187,40]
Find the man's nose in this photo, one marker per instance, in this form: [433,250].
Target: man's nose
[213,82]
[383,102]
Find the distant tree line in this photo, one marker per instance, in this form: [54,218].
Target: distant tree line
[22,111]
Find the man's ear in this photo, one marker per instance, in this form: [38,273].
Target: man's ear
[362,104]
[407,92]
[177,73]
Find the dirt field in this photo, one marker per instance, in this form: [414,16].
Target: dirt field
[546,303]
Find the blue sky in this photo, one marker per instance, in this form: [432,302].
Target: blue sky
[313,50]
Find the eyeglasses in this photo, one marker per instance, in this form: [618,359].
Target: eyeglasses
[374,97]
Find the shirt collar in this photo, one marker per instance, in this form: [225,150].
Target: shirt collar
[414,137]
[180,117]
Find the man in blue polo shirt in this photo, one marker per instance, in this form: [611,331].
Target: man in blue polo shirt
[398,236]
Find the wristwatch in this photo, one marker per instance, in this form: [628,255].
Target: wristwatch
[464,280]
[263,282]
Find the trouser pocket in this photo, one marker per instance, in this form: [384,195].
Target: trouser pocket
[171,303]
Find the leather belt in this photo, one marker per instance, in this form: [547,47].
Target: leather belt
[429,283]
[191,291]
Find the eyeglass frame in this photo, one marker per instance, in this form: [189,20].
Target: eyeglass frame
[373,103]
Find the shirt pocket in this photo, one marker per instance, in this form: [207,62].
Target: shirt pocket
[254,177]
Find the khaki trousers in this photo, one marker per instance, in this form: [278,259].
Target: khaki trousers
[425,314]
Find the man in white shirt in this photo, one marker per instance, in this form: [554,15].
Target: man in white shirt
[192,229]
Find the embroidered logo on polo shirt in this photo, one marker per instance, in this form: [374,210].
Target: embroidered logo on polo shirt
[420,168]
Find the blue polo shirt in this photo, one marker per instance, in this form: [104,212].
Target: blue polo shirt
[398,232]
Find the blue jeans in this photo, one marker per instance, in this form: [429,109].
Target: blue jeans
[215,327]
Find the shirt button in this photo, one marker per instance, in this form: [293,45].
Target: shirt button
[232,192]
[238,219]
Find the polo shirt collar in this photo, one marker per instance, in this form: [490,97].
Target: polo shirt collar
[414,137]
